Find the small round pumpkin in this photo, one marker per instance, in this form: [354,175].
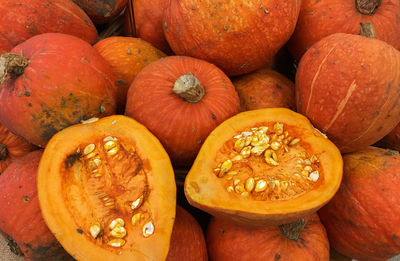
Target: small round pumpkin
[52,81]
[11,147]
[362,219]
[303,240]
[127,56]
[349,87]
[107,191]
[181,100]
[187,239]
[264,167]
[102,11]
[20,216]
[264,88]
[238,37]
[319,19]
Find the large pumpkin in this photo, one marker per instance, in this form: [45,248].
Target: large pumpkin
[20,216]
[52,81]
[303,240]
[22,19]
[102,11]
[349,87]
[181,100]
[238,37]
[319,19]
[362,220]
[107,191]
[264,167]
[11,147]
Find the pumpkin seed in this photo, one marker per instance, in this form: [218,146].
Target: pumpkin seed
[116,242]
[148,229]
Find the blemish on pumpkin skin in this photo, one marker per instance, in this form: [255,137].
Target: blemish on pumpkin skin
[25,199]
[80,231]
[277,256]
[213,116]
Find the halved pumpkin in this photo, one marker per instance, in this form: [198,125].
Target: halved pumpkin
[107,191]
[264,167]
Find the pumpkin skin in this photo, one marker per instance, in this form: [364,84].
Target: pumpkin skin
[237,37]
[102,11]
[278,194]
[148,16]
[20,215]
[98,172]
[362,219]
[127,56]
[319,19]
[349,86]
[187,239]
[65,81]
[229,241]
[264,88]
[180,125]
[11,147]
[27,18]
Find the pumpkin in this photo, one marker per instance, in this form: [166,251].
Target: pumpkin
[192,97]
[319,19]
[304,239]
[127,56]
[264,167]
[20,216]
[11,147]
[148,17]
[102,11]
[264,88]
[52,81]
[107,191]
[349,86]
[238,37]
[187,239]
[23,19]
[362,219]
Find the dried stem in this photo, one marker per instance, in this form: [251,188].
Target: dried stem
[189,88]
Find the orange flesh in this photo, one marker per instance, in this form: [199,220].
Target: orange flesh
[100,186]
[290,179]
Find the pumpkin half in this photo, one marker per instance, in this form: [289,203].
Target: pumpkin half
[107,191]
[264,167]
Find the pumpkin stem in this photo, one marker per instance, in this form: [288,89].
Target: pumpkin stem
[14,246]
[292,230]
[13,64]
[3,151]
[367,30]
[367,7]
[189,88]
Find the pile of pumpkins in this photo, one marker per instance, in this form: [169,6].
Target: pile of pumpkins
[96,131]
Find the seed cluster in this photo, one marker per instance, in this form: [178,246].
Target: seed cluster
[268,143]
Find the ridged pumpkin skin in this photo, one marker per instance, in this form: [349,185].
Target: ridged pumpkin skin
[91,174]
[181,126]
[362,220]
[264,88]
[20,215]
[148,17]
[65,81]
[101,11]
[271,204]
[11,147]
[187,239]
[349,86]
[22,19]
[238,37]
[319,19]
[127,56]
[228,241]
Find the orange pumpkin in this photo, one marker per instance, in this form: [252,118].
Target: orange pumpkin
[238,37]
[181,100]
[303,240]
[127,56]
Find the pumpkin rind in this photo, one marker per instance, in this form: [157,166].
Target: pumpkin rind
[64,213]
[349,86]
[204,190]
[65,81]
[362,219]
